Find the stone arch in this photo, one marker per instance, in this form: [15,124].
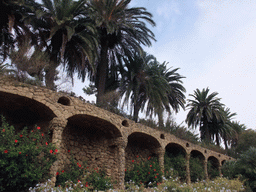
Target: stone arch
[213,167]
[93,140]
[22,111]
[223,162]
[175,149]
[175,154]
[141,145]
[196,165]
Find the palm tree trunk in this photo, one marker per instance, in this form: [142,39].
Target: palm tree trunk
[102,72]
[49,77]
[225,142]
[160,118]
[136,112]
[218,140]
[207,133]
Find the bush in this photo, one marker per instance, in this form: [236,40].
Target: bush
[246,166]
[91,178]
[25,158]
[229,169]
[196,169]
[213,171]
[175,166]
[74,172]
[98,180]
[144,172]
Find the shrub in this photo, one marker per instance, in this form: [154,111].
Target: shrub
[91,178]
[229,169]
[196,169]
[147,172]
[213,171]
[175,166]
[25,157]
[246,166]
[98,180]
[73,172]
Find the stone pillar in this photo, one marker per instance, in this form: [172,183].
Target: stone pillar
[121,144]
[219,168]
[160,153]
[57,126]
[205,170]
[187,157]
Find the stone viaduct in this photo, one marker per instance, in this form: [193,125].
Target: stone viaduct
[100,137]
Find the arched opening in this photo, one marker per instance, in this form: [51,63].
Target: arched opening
[92,140]
[174,161]
[64,101]
[213,167]
[140,145]
[196,166]
[21,112]
[125,123]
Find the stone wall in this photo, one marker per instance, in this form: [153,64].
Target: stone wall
[103,139]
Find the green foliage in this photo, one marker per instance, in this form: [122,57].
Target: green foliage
[98,180]
[245,141]
[196,169]
[73,173]
[25,157]
[175,166]
[213,171]
[229,169]
[202,108]
[247,167]
[144,172]
[91,178]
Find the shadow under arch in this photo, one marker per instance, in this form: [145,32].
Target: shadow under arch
[196,165]
[92,140]
[175,160]
[175,149]
[21,111]
[140,145]
[213,166]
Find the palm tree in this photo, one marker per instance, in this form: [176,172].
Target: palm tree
[175,92]
[68,36]
[150,84]
[134,80]
[12,26]
[201,111]
[222,128]
[121,31]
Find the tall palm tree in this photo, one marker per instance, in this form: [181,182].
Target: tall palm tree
[171,97]
[134,80]
[201,111]
[223,128]
[67,34]
[150,84]
[12,26]
[121,30]
[175,92]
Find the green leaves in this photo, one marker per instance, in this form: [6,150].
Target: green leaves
[24,158]
[144,172]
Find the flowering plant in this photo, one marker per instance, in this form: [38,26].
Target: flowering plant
[90,178]
[25,157]
[144,172]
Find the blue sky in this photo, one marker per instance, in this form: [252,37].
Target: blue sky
[213,42]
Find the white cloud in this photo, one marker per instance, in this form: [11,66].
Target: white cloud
[167,9]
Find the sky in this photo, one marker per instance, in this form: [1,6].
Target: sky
[213,42]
